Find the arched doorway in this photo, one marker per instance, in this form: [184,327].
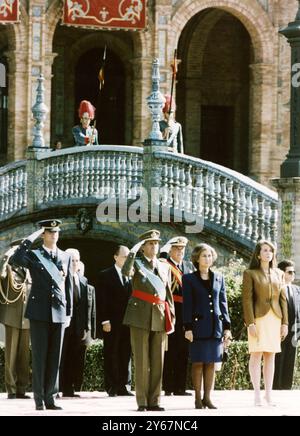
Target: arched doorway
[213,90]
[96,255]
[110,101]
[78,57]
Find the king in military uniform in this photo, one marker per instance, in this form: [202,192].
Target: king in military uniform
[150,316]
[49,307]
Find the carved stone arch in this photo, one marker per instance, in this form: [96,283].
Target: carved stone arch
[113,42]
[53,15]
[250,13]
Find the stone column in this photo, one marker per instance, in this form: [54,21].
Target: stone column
[261,120]
[141,89]
[291,166]
[41,61]
[289,219]
[18,104]
[154,142]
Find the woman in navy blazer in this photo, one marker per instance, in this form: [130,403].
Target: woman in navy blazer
[206,320]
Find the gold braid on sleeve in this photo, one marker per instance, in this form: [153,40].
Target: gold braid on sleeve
[12,287]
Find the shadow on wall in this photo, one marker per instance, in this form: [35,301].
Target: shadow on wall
[95,254]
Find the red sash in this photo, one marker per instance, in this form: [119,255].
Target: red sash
[144,296]
[178,298]
[176,272]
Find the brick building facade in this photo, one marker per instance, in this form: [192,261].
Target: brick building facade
[232,91]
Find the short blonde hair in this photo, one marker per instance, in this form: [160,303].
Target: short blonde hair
[73,252]
[198,250]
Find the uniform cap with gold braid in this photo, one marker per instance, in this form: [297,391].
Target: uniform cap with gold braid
[151,235]
[50,225]
[180,241]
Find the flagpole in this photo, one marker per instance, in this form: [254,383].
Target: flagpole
[174,68]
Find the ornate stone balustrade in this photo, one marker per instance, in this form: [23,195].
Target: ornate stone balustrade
[13,182]
[231,204]
[87,174]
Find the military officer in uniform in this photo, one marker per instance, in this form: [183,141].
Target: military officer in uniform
[176,358]
[150,315]
[170,128]
[49,307]
[84,134]
[14,289]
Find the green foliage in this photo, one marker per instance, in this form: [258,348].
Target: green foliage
[93,370]
[233,274]
[234,373]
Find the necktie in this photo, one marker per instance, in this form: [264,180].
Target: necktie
[151,262]
[75,292]
[289,293]
[124,278]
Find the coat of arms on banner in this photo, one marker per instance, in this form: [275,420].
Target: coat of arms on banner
[122,14]
[9,11]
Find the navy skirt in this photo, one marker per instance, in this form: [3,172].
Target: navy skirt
[206,350]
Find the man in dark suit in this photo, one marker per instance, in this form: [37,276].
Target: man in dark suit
[80,332]
[49,307]
[176,358]
[15,285]
[150,315]
[113,293]
[285,361]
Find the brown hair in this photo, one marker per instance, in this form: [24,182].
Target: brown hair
[197,252]
[285,263]
[255,261]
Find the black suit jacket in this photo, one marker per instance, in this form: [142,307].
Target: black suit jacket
[111,298]
[46,301]
[84,312]
[294,308]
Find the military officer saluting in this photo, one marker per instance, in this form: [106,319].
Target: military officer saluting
[150,316]
[176,358]
[49,307]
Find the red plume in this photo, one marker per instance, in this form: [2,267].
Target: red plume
[86,106]
[166,107]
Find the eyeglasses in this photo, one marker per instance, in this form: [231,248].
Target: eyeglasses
[291,272]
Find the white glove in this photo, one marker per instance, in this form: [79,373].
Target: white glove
[67,321]
[165,248]
[189,335]
[35,235]
[136,247]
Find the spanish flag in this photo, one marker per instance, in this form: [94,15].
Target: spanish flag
[101,71]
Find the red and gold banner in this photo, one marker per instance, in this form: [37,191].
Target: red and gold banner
[115,14]
[9,11]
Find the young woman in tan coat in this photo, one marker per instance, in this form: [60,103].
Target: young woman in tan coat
[265,313]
